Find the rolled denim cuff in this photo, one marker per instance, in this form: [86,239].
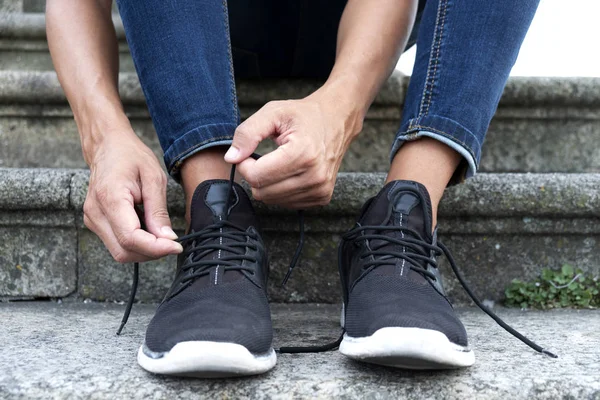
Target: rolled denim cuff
[446,131]
[200,138]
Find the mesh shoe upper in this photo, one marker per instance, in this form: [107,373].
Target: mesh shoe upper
[386,279]
[219,292]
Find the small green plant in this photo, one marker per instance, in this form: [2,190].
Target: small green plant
[567,287]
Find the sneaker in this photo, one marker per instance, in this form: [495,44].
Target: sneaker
[215,319]
[396,312]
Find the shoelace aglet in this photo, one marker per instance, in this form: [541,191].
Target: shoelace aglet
[121,327]
[549,354]
[287,276]
[134,285]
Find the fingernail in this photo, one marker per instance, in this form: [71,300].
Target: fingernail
[168,232]
[179,247]
[232,154]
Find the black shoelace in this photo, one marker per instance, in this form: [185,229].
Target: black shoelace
[412,240]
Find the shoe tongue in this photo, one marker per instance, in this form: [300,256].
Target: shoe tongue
[399,203]
[402,204]
[210,201]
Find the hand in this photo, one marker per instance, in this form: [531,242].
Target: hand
[125,172]
[312,135]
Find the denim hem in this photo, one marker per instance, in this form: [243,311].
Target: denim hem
[193,141]
[446,131]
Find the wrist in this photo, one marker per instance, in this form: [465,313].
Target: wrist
[347,100]
[100,126]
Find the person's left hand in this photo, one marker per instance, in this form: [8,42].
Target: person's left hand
[312,135]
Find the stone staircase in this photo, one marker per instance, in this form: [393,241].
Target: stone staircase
[535,204]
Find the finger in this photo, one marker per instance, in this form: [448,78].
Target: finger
[300,200]
[251,132]
[285,190]
[154,198]
[304,205]
[101,227]
[126,227]
[276,166]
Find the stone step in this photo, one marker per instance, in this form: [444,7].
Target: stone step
[28,6]
[23,44]
[70,351]
[498,226]
[542,125]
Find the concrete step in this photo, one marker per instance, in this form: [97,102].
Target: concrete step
[70,351]
[23,44]
[542,124]
[498,226]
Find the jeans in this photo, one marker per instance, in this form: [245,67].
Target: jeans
[185,53]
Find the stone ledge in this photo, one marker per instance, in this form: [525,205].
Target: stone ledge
[19,25]
[42,87]
[34,189]
[486,195]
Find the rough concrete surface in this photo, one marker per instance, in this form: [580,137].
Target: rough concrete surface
[62,351]
[34,189]
[39,262]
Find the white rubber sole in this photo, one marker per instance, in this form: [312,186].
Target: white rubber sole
[410,348]
[202,359]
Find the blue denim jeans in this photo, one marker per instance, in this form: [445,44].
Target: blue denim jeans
[185,53]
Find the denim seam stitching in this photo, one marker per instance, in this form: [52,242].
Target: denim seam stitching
[434,130]
[435,49]
[236,111]
[437,56]
[176,159]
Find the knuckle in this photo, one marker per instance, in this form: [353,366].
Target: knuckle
[310,160]
[323,201]
[322,193]
[253,180]
[120,257]
[257,194]
[160,213]
[102,194]
[157,179]
[243,132]
[125,241]
[160,179]
[88,222]
[88,208]
[321,179]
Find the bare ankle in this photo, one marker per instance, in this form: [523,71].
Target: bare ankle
[202,166]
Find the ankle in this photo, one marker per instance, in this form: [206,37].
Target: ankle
[202,166]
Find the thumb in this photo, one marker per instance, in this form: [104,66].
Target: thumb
[251,132]
[154,198]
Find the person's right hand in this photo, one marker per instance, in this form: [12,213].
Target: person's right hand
[124,173]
